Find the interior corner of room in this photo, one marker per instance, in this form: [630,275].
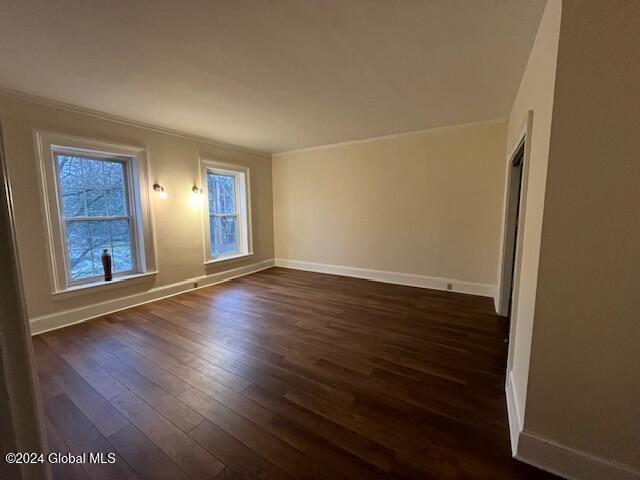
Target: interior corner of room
[400,249]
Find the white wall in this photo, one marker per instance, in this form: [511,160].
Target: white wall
[584,378]
[574,384]
[425,204]
[536,93]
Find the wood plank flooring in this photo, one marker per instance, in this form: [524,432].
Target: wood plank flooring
[284,375]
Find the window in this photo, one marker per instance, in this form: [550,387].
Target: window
[95,197]
[227,229]
[96,214]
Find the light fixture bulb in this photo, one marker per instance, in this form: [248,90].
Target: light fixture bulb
[195,200]
[160,190]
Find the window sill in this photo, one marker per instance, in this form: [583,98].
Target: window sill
[101,285]
[228,257]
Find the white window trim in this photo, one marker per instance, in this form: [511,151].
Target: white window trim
[48,145]
[243,206]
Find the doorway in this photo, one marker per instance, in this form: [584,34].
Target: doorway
[512,223]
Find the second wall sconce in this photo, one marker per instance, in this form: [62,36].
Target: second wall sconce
[195,199]
[160,189]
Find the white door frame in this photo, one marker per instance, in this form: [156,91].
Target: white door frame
[510,214]
[509,261]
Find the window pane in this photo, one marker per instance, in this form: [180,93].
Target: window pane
[92,188]
[122,261]
[93,173]
[121,241]
[113,174]
[88,239]
[120,233]
[73,203]
[100,240]
[81,264]
[95,188]
[78,236]
[71,185]
[70,172]
[96,202]
[79,242]
[116,202]
[221,193]
[223,235]
[114,236]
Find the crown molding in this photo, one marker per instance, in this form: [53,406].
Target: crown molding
[7,92]
[491,121]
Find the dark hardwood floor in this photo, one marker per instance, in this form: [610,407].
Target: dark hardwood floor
[284,374]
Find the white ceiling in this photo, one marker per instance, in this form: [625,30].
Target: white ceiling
[273,75]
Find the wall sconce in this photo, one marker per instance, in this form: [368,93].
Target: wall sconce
[160,189]
[196,197]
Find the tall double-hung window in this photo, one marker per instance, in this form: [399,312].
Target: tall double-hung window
[95,197]
[227,218]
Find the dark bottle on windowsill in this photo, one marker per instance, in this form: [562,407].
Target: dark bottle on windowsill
[106,265]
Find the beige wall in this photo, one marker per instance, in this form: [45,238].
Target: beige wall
[584,380]
[21,429]
[535,93]
[173,162]
[426,203]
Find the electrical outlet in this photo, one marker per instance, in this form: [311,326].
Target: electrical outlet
[449,286]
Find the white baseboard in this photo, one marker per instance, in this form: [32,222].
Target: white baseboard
[513,413]
[496,304]
[552,457]
[409,279]
[567,462]
[65,318]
